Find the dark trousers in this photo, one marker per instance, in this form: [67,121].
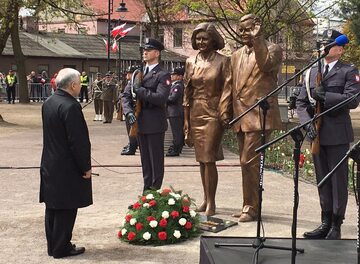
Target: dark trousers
[84,93]
[108,111]
[132,140]
[334,193]
[176,124]
[152,159]
[10,93]
[98,104]
[59,224]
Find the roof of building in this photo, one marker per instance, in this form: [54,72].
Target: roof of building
[62,45]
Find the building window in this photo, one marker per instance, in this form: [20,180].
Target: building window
[178,32]
[161,35]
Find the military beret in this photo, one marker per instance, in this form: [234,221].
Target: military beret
[153,44]
[178,71]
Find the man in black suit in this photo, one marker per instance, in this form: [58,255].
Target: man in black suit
[339,82]
[175,111]
[65,164]
[152,92]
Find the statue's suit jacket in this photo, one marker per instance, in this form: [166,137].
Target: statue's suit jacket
[254,75]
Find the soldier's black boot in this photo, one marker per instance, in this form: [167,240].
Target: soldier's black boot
[335,230]
[175,151]
[321,231]
[129,151]
[125,149]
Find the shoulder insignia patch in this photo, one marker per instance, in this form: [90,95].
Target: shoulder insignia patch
[175,90]
[168,82]
[357,78]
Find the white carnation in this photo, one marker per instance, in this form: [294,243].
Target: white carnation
[123,222]
[192,213]
[133,221]
[177,234]
[123,231]
[171,201]
[153,223]
[150,196]
[146,205]
[182,221]
[165,214]
[146,236]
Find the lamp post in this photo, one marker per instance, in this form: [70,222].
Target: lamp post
[121,9]
[108,36]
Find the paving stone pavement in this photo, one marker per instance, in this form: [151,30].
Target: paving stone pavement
[21,216]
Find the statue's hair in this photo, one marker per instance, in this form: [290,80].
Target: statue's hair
[218,40]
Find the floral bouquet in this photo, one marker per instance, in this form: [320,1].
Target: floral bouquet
[160,217]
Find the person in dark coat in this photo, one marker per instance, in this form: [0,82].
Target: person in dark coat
[175,111]
[339,82]
[130,148]
[152,92]
[65,170]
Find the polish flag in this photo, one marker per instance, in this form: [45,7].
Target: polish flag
[114,46]
[125,32]
[106,45]
[116,31]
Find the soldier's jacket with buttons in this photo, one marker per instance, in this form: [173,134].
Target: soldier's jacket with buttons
[175,100]
[153,94]
[109,91]
[340,83]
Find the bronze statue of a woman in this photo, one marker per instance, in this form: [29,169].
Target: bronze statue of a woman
[205,75]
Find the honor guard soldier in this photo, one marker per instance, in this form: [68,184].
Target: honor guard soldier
[339,82]
[96,88]
[175,111]
[152,92]
[108,97]
[131,147]
[84,87]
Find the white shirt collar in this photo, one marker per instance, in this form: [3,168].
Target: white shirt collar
[331,65]
[151,67]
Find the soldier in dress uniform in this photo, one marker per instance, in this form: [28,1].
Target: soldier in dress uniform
[108,97]
[153,92]
[96,96]
[131,147]
[339,82]
[175,111]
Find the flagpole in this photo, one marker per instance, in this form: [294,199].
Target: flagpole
[108,41]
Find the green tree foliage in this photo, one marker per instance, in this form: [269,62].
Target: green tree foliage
[352,50]
[350,10]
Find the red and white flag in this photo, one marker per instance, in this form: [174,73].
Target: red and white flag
[125,32]
[114,46]
[106,45]
[116,31]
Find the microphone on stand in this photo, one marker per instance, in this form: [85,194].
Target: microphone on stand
[339,41]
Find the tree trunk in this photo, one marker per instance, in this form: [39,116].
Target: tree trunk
[7,22]
[19,59]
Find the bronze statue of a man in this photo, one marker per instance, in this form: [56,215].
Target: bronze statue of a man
[254,70]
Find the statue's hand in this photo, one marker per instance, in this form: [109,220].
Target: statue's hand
[256,31]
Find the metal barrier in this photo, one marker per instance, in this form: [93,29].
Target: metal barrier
[38,92]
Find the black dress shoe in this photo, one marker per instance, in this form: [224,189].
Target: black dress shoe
[73,252]
[128,152]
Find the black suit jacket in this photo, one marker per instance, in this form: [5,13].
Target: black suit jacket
[340,83]
[66,154]
[175,100]
[153,96]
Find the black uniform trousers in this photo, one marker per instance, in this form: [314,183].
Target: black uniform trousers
[176,124]
[10,93]
[59,224]
[334,193]
[132,140]
[152,159]
[84,93]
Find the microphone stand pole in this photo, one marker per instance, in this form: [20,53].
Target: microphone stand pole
[354,153]
[258,243]
[297,136]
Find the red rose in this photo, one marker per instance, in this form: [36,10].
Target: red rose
[165,192]
[143,199]
[119,234]
[186,209]
[150,218]
[136,205]
[128,217]
[175,214]
[162,235]
[131,236]
[152,203]
[188,225]
[139,226]
[163,222]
